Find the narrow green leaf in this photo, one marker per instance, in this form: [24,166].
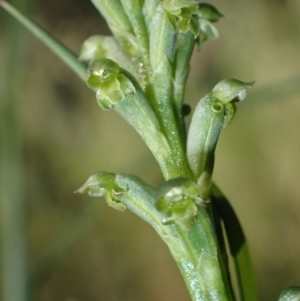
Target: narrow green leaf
[238,247]
[66,55]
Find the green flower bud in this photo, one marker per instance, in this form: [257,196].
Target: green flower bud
[209,12]
[184,19]
[111,85]
[185,12]
[194,17]
[290,294]
[178,201]
[104,184]
[102,72]
[205,15]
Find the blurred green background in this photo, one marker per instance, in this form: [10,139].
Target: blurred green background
[61,246]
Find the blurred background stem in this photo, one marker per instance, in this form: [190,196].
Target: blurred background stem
[13,208]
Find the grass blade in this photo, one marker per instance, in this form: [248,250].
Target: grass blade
[65,54]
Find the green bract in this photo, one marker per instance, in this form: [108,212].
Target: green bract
[177,200]
[213,112]
[231,89]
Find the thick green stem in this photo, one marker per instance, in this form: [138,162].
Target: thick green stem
[201,246]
